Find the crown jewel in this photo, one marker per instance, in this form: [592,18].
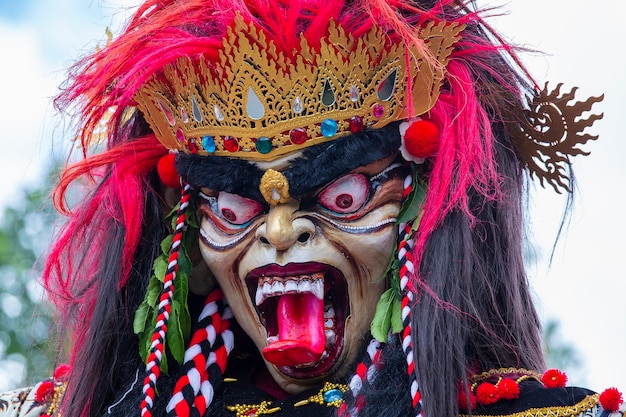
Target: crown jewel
[259,103]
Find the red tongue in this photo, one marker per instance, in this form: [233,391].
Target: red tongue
[301,337]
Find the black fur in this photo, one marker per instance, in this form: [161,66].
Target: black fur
[317,166]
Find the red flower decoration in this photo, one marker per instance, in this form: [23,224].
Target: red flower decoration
[62,373]
[167,171]
[553,378]
[44,392]
[611,399]
[487,393]
[508,389]
[420,139]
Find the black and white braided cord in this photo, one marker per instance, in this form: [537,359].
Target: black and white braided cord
[205,360]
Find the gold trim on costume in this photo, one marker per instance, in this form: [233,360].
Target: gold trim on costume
[506,371]
[244,410]
[59,392]
[322,397]
[558,411]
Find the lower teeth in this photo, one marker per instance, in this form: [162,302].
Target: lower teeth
[329,325]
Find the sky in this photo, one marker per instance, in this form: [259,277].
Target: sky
[584,287]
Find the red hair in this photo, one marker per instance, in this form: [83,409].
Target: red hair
[119,180]
[465,158]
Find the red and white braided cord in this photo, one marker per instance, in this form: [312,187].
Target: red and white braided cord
[194,390]
[364,375]
[407,269]
[157,347]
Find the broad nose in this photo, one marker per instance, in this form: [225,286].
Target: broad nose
[282,229]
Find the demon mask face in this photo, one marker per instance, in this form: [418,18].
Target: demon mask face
[294,156]
[303,275]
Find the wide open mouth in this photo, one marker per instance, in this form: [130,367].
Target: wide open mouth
[303,308]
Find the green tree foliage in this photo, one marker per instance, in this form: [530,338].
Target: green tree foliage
[25,232]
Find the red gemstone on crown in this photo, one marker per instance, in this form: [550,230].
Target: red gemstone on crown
[193,148]
[231,144]
[356,124]
[298,136]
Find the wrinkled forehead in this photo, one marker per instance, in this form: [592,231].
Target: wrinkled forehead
[305,170]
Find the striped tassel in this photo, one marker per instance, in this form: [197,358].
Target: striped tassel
[157,348]
[407,269]
[366,373]
[205,360]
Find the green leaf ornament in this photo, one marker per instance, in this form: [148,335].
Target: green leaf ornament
[179,323]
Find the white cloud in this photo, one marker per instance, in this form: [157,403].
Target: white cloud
[26,89]
[35,61]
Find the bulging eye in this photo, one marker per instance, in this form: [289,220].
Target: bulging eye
[345,195]
[236,209]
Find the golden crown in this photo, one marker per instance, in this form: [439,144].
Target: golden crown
[259,103]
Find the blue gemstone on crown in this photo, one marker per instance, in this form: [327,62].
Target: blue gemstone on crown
[208,143]
[329,128]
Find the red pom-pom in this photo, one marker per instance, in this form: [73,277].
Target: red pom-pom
[508,389]
[44,392]
[553,378]
[611,399]
[62,373]
[167,171]
[462,400]
[421,138]
[487,393]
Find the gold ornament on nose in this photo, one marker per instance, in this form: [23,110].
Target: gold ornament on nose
[274,187]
